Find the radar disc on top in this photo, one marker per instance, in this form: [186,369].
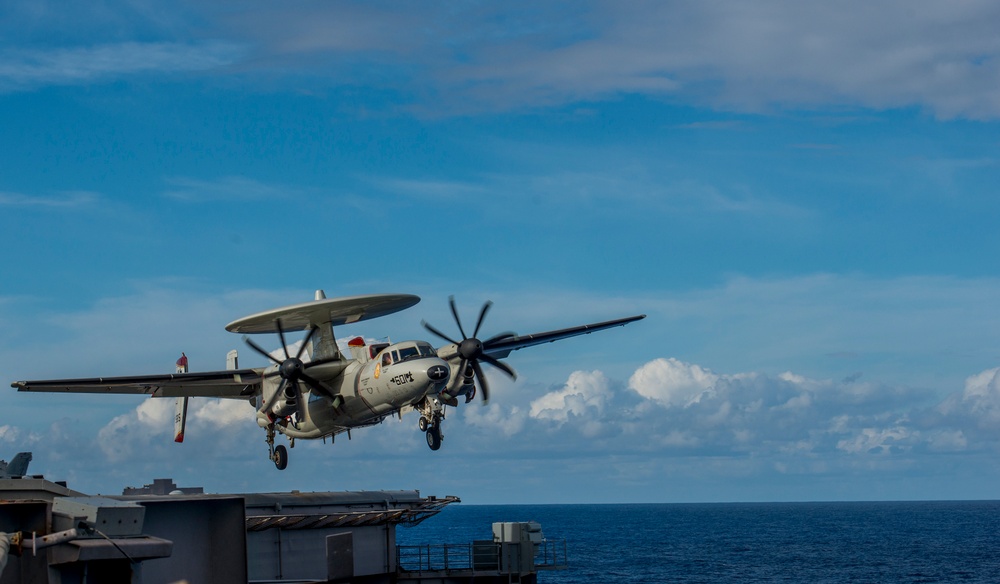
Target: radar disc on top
[335,311]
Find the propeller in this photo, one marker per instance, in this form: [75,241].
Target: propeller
[292,370]
[471,350]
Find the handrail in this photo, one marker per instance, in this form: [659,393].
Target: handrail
[480,556]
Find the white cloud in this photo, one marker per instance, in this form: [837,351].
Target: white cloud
[147,431]
[28,68]
[507,420]
[978,403]
[450,59]
[12,435]
[585,395]
[229,188]
[218,414]
[732,54]
[135,433]
[70,200]
[673,383]
[876,440]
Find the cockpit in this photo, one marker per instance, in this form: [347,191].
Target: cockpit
[405,351]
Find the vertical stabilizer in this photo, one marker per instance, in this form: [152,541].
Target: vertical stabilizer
[324,346]
[18,466]
[180,419]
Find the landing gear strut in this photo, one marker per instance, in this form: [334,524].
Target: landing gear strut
[278,454]
[431,416]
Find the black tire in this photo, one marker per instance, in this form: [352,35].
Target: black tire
[422,424]
[434,437]
[280,457]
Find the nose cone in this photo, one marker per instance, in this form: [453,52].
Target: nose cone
[437,373]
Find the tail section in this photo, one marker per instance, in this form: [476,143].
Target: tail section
[18,466]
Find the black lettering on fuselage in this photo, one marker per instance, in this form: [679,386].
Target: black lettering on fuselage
[402,379]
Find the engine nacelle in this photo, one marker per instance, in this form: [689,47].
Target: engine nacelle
[285,405]
[468,382]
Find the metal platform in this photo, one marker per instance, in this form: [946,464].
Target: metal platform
[239,538]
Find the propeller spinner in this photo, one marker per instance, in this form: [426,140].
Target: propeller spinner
[471,350]
[292,370]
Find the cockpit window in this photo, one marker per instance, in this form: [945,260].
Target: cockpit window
[386,359]
[426,350]
[408,353]
[375,348]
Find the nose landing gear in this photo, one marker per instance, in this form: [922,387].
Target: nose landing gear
[431,416]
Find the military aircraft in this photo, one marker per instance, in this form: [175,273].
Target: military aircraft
[319,392]
[17,467]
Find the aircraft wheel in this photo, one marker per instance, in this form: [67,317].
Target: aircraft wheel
[422,424]
[434,437]
[280,457]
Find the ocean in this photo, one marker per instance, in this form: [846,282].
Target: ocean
[938,541]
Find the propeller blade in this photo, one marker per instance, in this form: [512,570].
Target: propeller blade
[438,333]
[454,312]
[274,397]
[316,385]
[258,348]
[300,403]
[500,365]
[312,331]
[482,315]
[496,338]
[281,335]
[459,379]
[482,381]
[323,361]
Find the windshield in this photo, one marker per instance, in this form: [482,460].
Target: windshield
[406,353]
[413,351]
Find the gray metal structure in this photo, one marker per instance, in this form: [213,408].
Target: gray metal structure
[50,534]
[17,467]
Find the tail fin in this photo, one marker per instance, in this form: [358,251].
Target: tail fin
[18,466]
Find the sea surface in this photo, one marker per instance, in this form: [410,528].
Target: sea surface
[938,541]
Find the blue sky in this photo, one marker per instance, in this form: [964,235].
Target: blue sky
[801,197]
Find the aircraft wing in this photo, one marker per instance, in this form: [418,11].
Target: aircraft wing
[237,384]
[502,348]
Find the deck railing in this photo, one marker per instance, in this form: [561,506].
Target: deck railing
[478,556]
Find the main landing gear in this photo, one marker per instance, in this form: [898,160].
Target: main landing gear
[431,415]
[433,431]
[278,454]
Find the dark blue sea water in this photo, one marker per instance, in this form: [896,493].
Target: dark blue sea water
[749,542]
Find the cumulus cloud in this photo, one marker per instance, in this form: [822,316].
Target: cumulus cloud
[585,395]
[147,430]
[12,435]
[508,420]
[670,406]
[136,432]
[976,407]
[672,383]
